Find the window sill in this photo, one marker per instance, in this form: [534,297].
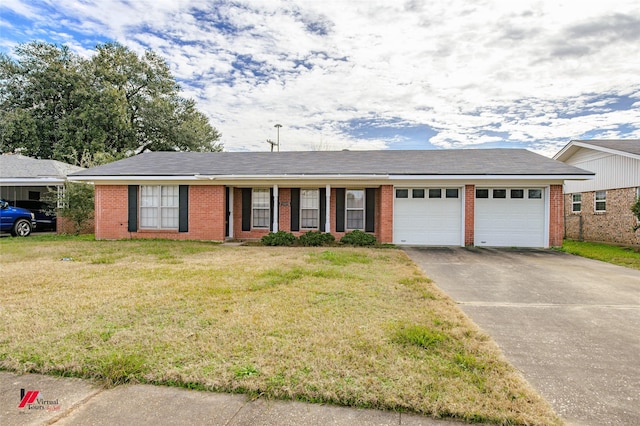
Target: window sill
[147,230]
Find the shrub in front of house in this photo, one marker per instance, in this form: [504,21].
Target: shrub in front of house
[359,238]
[280,238]
[316,239]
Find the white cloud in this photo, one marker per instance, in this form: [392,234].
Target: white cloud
[476,72]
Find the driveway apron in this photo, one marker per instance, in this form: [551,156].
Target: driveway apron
[570,325]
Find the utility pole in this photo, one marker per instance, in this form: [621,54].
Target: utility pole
[277,126]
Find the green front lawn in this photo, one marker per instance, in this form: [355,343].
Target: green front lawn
[349,326]
[623,256]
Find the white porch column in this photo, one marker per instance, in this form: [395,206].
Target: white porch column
[275,208]
[327,212]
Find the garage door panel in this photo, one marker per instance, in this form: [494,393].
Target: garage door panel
[510,222]
[428,221]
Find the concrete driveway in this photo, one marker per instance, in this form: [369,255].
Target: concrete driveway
[570,325]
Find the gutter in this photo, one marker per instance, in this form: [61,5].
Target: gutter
[339,177]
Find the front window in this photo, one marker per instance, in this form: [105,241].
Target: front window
[309,208]
[159,207]
[355,209]
[576,203]
[601,201]
[260,201]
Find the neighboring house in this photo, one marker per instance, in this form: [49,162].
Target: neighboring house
[25,179]
[600,209]
[494,197]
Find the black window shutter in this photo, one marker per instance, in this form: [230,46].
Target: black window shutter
[271,208]
[183,208]
[323,208]
[133,208]
[340,209]
[295,209]
[246,209]
[370,210]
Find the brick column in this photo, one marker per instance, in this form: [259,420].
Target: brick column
[284,216]
[469,214]
[555,216]
[385,221]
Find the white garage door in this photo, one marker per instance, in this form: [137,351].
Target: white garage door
[512,217]
[428,216]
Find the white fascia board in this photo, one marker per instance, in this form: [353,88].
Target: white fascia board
[471,178]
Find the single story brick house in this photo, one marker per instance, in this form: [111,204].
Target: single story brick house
[493,197]
[600,209]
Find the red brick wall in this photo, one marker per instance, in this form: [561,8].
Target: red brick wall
[555,216]
[206,215]
[111,212]
[615,225]
[64,225]
[469,214]
[384,214]
[284,214]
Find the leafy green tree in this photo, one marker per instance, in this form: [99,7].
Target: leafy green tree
[78,204]
[636,211]
[55,104]
[41,93]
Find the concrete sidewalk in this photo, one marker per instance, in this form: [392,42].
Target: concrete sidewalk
[70,401]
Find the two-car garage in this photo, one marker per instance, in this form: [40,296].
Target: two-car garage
[503,217]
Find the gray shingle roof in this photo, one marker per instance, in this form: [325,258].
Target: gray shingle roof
[631,146]
[430,162]
[19,166]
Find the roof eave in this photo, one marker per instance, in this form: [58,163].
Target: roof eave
[573,146]
[328,177]
[585,176]
[39,181]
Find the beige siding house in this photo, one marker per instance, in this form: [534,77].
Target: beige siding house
[600,209]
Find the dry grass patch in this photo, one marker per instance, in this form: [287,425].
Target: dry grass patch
[359,327]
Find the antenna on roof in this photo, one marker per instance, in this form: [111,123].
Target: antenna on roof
[272,143]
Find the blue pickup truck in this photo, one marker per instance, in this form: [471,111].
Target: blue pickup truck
[20,222]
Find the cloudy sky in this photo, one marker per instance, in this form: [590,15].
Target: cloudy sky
[372,74]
